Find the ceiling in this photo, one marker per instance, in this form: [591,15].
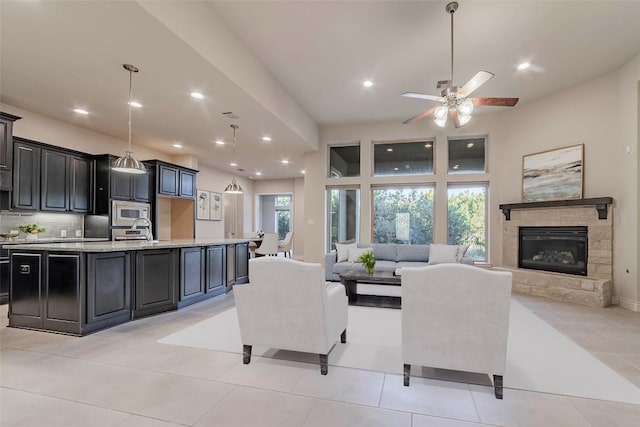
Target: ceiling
[59,55]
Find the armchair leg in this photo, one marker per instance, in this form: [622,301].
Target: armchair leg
[324,364]
[246,354]
[407,374]
[343,336]
[497,386]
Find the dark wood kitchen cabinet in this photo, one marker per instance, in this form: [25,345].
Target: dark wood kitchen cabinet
[26,175]
[173,180]
[242,263]
[6,150]
[54,195]
[216,274]
[108,289]
[5,276]
[25,295]
[192,275]
[156,278]
[112,185]
[80,184]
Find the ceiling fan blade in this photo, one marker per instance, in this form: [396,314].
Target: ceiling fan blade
[419,116]
[422,96]
[455,118]
[495,102]
[475,82]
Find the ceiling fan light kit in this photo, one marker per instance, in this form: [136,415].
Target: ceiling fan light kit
[454,101]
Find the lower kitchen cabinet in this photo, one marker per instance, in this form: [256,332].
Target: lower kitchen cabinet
[62,293]
[156,278]
[5,276]
[108,289]
[216,274]
[26,291]
[242,263]
[192,276]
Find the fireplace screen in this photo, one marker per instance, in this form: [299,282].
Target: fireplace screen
[559,249]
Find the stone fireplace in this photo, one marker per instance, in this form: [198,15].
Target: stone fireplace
[572,238]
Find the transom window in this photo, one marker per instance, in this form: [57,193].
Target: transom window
[344,161]
[403,158]
[467,155]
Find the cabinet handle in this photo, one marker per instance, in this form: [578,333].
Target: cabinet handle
[25,269]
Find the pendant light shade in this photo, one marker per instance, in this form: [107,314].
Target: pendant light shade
[234,187]
[128,163]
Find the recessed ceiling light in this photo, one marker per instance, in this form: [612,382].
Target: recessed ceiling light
[135,104]
[367,83]
[303,171]
[389,149]
[456,166]
[470,145]
[197,95]
[285,162]
[80,111]
[234,164]
[266,138]
[428,145]
[177,145]
[258,173]
[523,66]
[395,169]
[219,142]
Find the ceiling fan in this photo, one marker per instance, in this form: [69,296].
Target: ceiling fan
[454,100]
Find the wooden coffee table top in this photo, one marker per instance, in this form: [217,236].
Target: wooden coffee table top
[377,277]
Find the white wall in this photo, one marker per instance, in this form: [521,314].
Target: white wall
[600,113]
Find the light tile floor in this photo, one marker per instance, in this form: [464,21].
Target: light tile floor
[123,377]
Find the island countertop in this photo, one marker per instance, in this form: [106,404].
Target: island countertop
[130,245]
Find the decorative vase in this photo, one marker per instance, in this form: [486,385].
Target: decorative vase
[31,236]
[369,268]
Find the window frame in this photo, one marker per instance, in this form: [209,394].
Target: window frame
[471,184]
[327,217]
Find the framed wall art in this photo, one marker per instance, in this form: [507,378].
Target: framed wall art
[216,206]
[203,203]
[553,174]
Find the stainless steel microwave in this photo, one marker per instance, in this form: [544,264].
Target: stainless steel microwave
[123,214]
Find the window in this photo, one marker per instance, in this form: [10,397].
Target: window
[403,215]
[283,215]
[403,158]
[467,155]
[344,161]
[343,215]
[467,218]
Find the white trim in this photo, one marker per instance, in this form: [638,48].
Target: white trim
[628,304]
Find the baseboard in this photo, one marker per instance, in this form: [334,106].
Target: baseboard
[628,304]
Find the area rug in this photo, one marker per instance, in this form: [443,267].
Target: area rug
[539,358]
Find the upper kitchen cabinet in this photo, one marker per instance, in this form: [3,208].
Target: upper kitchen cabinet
[173,180]
[6,150]
[111,185]
[49,179]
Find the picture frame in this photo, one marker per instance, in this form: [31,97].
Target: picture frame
[203,204]
[555,174]
[215,206]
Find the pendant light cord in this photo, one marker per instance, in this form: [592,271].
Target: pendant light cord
[130,96]
[452,12]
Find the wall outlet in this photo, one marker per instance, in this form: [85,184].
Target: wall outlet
[78,233]
[63,233]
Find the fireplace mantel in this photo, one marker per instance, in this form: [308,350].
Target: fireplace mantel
[601,204]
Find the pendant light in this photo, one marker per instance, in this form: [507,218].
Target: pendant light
[234,187]
[128,164]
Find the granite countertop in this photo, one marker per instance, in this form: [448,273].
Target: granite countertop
[42,240]
[131,245]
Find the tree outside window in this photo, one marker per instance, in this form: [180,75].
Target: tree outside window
[467,219]
[403,215]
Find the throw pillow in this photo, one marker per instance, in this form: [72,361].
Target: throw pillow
[354,253]
[440,254]
[343,251]
[462,249]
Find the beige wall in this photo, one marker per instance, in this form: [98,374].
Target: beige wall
[600,113]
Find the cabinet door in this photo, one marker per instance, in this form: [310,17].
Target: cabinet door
[242,263]
[191,273]
[187,184]
[81,182]
[25,295]
[26,176]
[168,181]
[4,280]
[108,287]
[62,293]
[6,155]
[216,274]
[156,278]
[120,185]
[141,191]
[54,194]
[231,266]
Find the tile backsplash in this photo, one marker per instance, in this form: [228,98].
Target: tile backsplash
[53,223]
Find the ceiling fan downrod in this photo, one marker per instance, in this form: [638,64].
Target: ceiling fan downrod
[451,9]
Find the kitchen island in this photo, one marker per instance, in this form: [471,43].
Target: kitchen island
[79,288]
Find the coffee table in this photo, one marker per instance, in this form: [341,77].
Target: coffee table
[351,278]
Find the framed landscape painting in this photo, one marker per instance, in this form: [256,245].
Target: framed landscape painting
[553,175]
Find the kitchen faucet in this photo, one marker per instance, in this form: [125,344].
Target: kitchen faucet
[148,234]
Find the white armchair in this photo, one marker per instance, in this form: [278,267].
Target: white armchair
[456,316]
[269,245]
[285,244]
[288,305]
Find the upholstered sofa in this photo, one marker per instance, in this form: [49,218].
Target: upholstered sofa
[390,257]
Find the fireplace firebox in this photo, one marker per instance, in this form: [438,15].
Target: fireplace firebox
[559,249]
